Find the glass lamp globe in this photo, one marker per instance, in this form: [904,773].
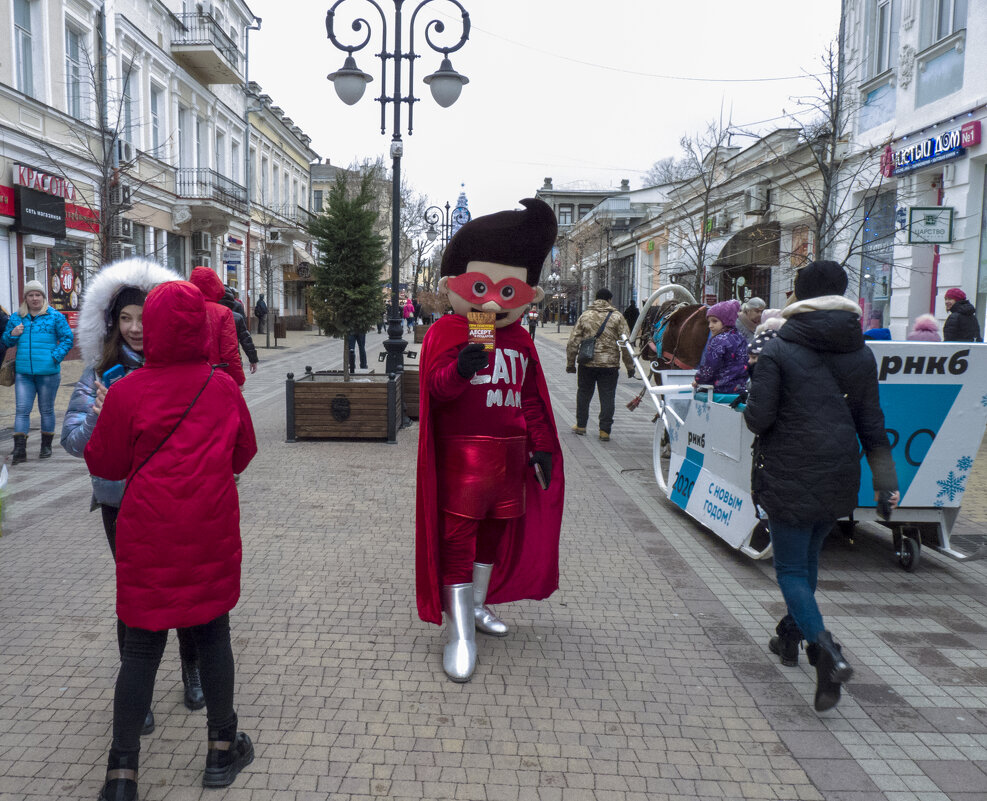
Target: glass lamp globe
[350,81]
[446,84]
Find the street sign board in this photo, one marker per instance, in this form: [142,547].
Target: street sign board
[930,225]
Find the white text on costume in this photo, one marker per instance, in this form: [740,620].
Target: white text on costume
[509,367]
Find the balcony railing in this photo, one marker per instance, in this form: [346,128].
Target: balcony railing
[210,185]
[293,213]
[201,30]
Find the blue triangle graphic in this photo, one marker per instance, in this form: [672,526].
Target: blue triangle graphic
[913,415]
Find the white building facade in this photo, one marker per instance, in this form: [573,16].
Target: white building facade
[916,77]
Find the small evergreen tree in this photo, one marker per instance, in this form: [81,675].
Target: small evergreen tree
[346,296]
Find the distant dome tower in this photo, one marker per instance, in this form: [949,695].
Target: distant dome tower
[461,214]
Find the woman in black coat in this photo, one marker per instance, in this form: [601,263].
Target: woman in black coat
[961,324]
[813,392]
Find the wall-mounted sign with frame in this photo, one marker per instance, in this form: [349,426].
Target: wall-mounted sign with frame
[930,225]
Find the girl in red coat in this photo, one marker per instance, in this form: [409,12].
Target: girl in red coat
[176,430]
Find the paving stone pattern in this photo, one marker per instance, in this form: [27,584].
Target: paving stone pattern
[645,677]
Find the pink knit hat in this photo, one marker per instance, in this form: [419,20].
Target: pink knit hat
[725,311]
[926,330]
[955,294]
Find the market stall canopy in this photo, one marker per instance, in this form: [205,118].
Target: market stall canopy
[755,245]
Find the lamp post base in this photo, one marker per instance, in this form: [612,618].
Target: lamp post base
[395,345]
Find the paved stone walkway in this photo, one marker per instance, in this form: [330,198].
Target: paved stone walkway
[645,677]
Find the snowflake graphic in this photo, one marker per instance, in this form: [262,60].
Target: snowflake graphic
[983,401]
[938,504]
[964,463]
[951,486]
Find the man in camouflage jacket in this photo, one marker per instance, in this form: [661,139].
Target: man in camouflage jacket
[604,369]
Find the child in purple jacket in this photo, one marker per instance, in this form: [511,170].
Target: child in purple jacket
[724,362]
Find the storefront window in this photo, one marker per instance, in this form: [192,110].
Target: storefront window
[877,260]
[67,279]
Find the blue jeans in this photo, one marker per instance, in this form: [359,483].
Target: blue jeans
[796,549]
[26,386]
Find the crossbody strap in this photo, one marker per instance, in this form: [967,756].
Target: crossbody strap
[603,326]
[174,428]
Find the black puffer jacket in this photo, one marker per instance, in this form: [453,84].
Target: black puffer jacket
[240,321]
[961,324]
[814,391]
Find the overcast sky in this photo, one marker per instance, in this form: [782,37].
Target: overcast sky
[586,92]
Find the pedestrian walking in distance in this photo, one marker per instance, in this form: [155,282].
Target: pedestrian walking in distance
[961,325]
[176,430]
[112,341]
[607,325]
[532,320]
[813,394]
[260,312]
[43,338]
[224,347]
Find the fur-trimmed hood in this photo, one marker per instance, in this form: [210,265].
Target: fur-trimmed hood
[100,292]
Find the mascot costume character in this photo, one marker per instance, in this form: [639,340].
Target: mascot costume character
[490,479]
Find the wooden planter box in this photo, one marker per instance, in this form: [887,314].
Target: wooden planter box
[320,405]
[409,388]
[420,332]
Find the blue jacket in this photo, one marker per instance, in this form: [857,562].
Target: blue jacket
[44,343]
[80,420]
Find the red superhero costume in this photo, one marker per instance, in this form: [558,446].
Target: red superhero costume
[486,527]
[527,556]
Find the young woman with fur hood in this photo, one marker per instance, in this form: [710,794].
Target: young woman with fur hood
[110,333]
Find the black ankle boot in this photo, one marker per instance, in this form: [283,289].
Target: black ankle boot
[787,643]
[45,445]
[194,699]
[20,449]
[121,779]
[148,726]
[831,670]
[229,753]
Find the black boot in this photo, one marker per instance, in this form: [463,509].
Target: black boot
[121,779]
[45,445]
[20,449]
[831,670]
[194,699]
[148,726]
[229,753]
[787,643]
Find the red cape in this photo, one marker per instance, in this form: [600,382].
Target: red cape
[527,563]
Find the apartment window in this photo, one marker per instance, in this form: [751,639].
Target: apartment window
[885,20]
[942,18]
[75,72]
[201,143]
[285,194]
[264,186]
[24,46]
[276,199]
[220,152]
[317,200]
[253,178]
[565,214]
[584,209]
[235,160]
[184,136]
[157,107]
[127,111]
[294,194]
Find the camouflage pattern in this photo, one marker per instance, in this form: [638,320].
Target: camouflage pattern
[608,353]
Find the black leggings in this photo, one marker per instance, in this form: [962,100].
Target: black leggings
[186,643]
[142,652]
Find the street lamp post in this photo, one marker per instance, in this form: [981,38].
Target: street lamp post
[444,219]
[350,82]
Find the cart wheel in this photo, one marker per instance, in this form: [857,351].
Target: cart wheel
[909,553]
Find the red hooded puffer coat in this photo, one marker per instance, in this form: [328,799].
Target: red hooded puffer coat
[224,348]
[178,533]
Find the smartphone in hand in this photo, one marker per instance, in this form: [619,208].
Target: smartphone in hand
[116,372]
[539,474]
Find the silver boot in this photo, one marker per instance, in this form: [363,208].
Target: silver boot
[459,654]
[486,621]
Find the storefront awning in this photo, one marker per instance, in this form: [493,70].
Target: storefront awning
[300,270]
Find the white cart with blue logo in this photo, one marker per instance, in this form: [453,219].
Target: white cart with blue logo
[934,397]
